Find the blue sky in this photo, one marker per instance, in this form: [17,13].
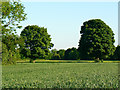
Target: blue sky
[63,20]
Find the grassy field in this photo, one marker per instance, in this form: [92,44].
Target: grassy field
[60,75]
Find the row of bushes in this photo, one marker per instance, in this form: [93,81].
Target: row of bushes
[73,54]
[69,54]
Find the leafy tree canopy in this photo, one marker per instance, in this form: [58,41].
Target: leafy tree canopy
[12,14]
[37,42]
[97,40]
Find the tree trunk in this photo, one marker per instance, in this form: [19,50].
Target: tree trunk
[33,61]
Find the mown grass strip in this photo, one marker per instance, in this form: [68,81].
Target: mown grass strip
[65,61]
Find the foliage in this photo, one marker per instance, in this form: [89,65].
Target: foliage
[102,60]
[37,42]
[4,54]
[0,50]
[71,54]
[116,55]
[97,40]
[61,52]
[53,54]
[60,75]
[10,50]
[56,57]
[97,60]
[10,41]
[8,56]
[12,14]
[117,52]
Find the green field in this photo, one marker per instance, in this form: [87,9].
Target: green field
[60,75]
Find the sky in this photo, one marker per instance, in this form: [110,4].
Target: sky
[63,20]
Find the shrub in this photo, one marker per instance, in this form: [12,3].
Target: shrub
[97,60]
[8,56]
[56,57]
[101,60]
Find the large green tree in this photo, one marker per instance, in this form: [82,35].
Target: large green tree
[12,14]
[37,42]
[97,40]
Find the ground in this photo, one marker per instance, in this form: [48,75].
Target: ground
[60,75]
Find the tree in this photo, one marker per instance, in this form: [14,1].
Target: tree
[12,14]
[9,56]
[97,40]
[116,55]
[52,54]
[37,42]
[0,51]
[61,52]
[71,54]
[56,57]
[11,41]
